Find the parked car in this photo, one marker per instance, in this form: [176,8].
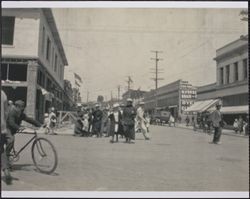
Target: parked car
[160,117]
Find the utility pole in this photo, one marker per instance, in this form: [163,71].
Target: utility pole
[111,96]
[156,71]
[87,96]
[129,81]
[119,88]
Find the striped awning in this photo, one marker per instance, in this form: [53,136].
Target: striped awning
[233,109]
[201,106]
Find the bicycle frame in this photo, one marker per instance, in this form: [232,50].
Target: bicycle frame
[20,150]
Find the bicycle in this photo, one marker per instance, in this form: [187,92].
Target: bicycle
[43,152]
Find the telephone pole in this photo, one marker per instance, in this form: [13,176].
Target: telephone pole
[119,88]
[129,81]
[87,96]
[156,71]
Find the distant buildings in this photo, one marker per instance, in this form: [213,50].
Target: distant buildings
[76,96]
[176,97]
[68,102]
[135,95]
[33,59]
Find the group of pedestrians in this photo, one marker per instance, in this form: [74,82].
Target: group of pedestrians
[240,126]
[119,121]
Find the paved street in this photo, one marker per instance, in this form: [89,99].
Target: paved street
[175,159]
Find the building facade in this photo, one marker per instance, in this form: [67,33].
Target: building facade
[231,84]
[232,77]
[176,97]
[33,60]
[206,92]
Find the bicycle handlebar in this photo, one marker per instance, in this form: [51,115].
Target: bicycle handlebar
[25,130]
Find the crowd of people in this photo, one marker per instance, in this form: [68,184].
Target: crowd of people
[118,121]
[241,126]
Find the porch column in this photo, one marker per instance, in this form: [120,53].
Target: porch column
[31,88]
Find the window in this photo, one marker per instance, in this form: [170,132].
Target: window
[43,40]
[48,49]
[52,60]
[221,76]
[245,75]
[55,63]
[14,72]
[227,74]
[236,76]
[8,24]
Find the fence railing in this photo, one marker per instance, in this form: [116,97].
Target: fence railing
[66,117]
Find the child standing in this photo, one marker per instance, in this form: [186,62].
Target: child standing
[46,123]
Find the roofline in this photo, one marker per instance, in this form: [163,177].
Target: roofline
[51,22]
[239,39]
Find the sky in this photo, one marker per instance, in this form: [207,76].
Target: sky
[106,45]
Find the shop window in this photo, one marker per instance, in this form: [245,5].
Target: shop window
[8,24]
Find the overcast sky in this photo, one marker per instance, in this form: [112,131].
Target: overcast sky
[105,45]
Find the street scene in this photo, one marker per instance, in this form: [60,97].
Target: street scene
[124,99]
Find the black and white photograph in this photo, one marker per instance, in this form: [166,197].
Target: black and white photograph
[124,99]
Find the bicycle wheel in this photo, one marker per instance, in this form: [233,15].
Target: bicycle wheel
[44,155]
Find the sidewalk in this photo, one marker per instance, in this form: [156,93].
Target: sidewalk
[224,131]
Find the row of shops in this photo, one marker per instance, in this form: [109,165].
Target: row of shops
[231,87]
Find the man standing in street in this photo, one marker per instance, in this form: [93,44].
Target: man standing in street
[129,114]
[217,123]
[141,120]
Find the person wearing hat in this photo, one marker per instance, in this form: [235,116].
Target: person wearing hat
[104,126]
[115,122]
[14,119]
[97,121]
[52,120]
[78,129]
[46,123]
[128,120]
[217,122]
[141,120]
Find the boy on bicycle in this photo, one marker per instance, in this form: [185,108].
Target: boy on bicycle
[15,116]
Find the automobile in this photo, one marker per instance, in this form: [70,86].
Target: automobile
[160,117]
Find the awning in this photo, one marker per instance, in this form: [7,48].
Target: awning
[201,106]
[174,106]
[233,109]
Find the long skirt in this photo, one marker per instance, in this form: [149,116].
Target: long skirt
[129,131]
